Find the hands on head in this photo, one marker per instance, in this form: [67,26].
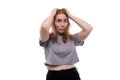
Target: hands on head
[55,9]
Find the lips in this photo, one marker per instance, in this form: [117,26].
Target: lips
[62,29]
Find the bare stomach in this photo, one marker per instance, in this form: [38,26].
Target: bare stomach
[62,67]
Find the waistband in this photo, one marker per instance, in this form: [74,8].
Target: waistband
[74,68]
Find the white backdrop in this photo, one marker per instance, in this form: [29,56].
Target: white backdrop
[21,57]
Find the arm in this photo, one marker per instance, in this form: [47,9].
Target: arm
[45,26]
[86,28]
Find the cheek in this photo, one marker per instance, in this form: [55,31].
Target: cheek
[57,28]
[57,25]
[66,24]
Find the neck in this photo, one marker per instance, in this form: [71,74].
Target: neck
[61,34]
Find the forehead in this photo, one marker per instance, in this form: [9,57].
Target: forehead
[61,16]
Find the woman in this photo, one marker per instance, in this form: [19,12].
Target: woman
[59,44]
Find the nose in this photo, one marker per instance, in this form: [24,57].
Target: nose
[62,24]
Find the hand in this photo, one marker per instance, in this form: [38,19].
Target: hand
[68,13]
[54,11]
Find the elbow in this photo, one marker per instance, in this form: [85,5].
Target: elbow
[90,28]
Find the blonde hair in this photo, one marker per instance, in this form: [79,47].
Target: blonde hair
[66,34]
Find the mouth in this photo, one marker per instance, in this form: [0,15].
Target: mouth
[62,30]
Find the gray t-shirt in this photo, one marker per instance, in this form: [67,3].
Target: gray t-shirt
[61,53]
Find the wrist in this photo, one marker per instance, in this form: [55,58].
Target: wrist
[70,16]
[52,15]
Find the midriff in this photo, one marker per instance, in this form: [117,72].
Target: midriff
[61,67]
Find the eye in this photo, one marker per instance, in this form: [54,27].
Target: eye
[58,20]
[65,20]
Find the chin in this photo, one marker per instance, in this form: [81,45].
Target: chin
[60,32]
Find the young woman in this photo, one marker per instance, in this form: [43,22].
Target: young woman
[59,44]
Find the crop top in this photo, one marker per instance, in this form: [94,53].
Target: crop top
[61,53]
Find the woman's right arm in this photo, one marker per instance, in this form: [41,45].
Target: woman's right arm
[45,26]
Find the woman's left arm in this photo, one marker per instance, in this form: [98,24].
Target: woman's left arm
[86,28]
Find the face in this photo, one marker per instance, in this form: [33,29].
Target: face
[61,23]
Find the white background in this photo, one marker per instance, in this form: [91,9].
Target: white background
[21,57]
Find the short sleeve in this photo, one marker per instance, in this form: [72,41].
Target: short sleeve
[43,44]
[76,41]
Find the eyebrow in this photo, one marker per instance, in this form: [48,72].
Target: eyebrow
[61,19]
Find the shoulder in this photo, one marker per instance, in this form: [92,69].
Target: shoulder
[76,40]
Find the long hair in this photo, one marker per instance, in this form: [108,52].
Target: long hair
[66,34]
